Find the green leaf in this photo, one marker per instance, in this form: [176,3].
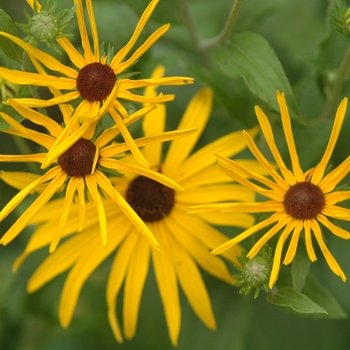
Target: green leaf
[250,56]
[12,50]
[300,268]
[300,303]
[323,297]
[12,113]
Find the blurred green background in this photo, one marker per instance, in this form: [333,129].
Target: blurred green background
[310,52]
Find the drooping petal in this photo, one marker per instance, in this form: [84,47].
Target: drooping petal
[167,283]
[292,248]
[192,285]
[117,275]
[134,283]
[336,230]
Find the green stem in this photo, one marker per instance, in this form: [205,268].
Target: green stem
[205,45]
[333,100]
[192,30]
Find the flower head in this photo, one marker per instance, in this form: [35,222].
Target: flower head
[299,201]
[96,81]
[185,241]
[78,169]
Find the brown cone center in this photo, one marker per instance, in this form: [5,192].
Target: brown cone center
[78,159]
[304,201]
[151,200]
[95,81]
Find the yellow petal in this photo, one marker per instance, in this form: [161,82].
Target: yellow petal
[121,54]
[106,185]
[193,286]
[278,252]
[338,122]
[74,55]
[117,275]
[287,128]
[332,263]
[268,134]
[336,230]
[247,233]
[96,196]
[196,114]
[69,195]
[134,283]
[308,240]
[167,283]
[43,198]
[293,245]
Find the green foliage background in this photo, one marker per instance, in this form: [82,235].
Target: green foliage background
[275,44]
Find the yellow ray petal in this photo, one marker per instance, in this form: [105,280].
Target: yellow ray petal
[336,197]
[219,193]
[42,57]
[193,286]
[235,172]
[74,55]
[336,212]
[212,264]
[93,27]
[332,263]
[129,139]
[54,128]
[268,134]
[336,230]
[32,102]
[43,198]
[293,245]
[138,170]
[90,258]
[278,252]
[196,114]
[226,146]
[331,180]
[308,240]
[121,54]
[70,191]
[282,222]
[247,233]
[134,283]
[117,275]
[287,128]
[167,283]
[17,199]
[24,158]
[96,196]
[106,185]
[338,122]
[265,163]
[63,258]
[142,49]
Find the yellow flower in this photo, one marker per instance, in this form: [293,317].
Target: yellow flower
[94,81]
[299,200]
[74,170]
[185,240]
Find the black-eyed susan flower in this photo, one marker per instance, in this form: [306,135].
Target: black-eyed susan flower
[93,78]
[78,171]
[299,200]
[185,240]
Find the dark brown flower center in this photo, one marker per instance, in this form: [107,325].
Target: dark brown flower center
[95,81]
[151,200]
[304,201]
[78,159]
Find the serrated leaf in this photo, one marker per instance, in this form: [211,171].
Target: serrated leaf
[323,297]
[300,303]
[300,268]
[12,113]
[11,50]
[250,56]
